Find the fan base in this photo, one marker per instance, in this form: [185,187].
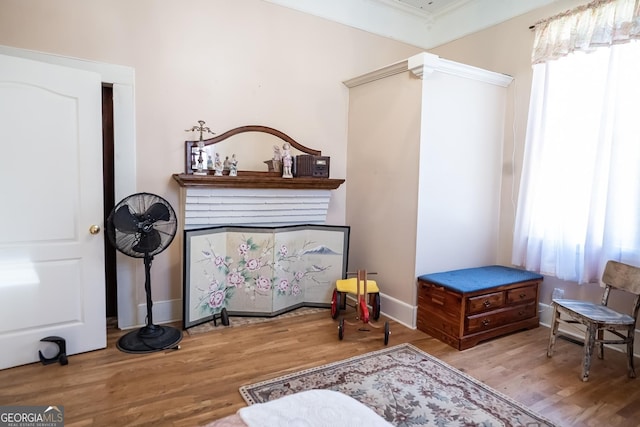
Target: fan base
[150,339]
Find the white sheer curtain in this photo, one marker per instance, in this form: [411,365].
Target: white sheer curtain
[579,200]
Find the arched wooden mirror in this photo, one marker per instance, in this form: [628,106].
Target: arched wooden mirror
[253,147]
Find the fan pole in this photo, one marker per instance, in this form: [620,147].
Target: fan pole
[147,287]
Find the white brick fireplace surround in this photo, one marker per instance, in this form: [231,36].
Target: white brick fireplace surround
[256,207]
[207,201]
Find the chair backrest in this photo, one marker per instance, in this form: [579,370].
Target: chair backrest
[625,277]
[622,276]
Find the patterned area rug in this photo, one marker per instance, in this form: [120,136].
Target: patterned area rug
[407,387]
[249,320]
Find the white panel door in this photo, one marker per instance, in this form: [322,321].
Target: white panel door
[51,267]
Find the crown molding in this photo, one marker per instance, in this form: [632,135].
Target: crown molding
[424,64]
[380,73]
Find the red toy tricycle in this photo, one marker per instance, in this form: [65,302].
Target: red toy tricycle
[365,291]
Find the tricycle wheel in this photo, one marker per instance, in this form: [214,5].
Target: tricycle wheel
[375,306]
[386,332]
[335,304]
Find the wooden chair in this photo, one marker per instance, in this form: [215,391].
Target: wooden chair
[599,318]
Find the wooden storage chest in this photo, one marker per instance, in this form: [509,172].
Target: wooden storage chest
[464,307]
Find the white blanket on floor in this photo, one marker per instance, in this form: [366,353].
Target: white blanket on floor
[313,408]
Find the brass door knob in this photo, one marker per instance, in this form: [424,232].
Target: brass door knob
[94,229]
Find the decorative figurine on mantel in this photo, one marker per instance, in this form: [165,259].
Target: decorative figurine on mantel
[202,128]
[275,163]
[233,166]
[218,166]
[277,159]
[277,155]
[209,161]
[287,161]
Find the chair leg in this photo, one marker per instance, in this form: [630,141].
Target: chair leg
[589,341]
[631,371]
[600,344]
[555,322]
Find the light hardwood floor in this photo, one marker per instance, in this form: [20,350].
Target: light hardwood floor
[199,382]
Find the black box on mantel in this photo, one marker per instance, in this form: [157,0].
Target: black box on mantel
[313,166]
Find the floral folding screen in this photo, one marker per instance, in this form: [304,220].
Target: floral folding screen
[261,271]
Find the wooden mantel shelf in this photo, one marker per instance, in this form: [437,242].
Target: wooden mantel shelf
[257,181]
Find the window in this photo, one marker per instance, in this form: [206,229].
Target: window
[579,201]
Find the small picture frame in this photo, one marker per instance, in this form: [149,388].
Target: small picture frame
[194,158]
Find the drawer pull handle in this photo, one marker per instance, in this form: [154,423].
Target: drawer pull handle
[521,313]
[485,322]
[523,295]
[487,303]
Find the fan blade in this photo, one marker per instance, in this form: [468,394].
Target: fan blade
[125,221]
[149,242]
[157,211]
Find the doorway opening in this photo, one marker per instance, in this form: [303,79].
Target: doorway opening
[111,283]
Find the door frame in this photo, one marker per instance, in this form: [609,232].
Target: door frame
[122,78]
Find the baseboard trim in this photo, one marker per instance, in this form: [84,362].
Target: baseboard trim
[399,311]
[394,309]
[167,311]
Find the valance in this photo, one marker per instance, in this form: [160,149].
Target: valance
[599,23]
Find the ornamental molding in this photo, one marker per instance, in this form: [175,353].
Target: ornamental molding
[424,64]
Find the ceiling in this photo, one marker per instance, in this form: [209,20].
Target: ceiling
[422,23]
[427,7]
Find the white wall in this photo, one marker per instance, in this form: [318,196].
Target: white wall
[424,152]
[230,63]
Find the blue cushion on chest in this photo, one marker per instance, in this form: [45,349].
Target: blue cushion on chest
[479,278]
